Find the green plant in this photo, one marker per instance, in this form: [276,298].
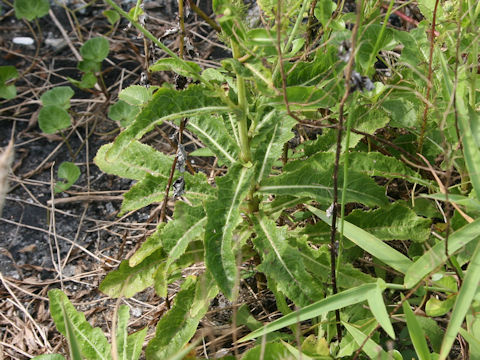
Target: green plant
[68,171]
[31,9]
[391,132]
[53,115]
[7,73]
[93,52]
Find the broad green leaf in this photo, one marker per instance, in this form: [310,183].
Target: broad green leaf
[435,257]
[416,333]
[262,37]
[7,73]
[283,263]
[402,111]
[212,132]
[123,112]
[53,118]
[129,347]
[181,67]
[92,341]
[433,332]
[136,162]
[31,9]
[152,189]
[59,96]
[427,7]
[179,324]
[378,309]
[377,164]
[122,331]
[268,351]
[435,307]
[223,216]
[471,149]
[68,171]
[135,95]
[372,349]
[273,132]
[333,302]
[49,357]
[95,49]
[317,263]
[392,222]
[462,304]
[369,243]
[127,280]
[314,346]
[317,183]
[167,104]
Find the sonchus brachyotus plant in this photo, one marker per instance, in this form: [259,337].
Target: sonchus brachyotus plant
[309,64]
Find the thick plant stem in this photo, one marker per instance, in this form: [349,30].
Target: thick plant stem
[245,154]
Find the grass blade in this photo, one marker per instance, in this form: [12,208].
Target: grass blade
[369,243]
[371,348]
[416,333]
[334,302]
[463,302]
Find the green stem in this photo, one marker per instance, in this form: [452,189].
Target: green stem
[242,112]
[292,34]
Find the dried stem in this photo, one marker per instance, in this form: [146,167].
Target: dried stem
[341,120]
[429,79]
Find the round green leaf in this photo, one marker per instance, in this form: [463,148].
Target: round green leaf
[68,171]
[53,118]
[95,49]
[112,16]
[31,9]
[123,112]
[88,81]
[7,73]
[59,96]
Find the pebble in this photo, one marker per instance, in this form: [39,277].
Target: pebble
[23,40]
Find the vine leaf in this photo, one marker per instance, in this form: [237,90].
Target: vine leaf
[178,325]
[92,342]
[283,263]
[223,216]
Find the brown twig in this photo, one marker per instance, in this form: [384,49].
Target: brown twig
[204,16]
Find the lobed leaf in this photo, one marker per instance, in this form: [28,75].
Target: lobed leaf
[95,49]
[136,162]
[435,257]
[92,342]
[273,132]
[283,263]
[179,324]
[129,280]
[59,96]
[181,67]
[317,183]
[31,9]
[167,104]
[212,132]
[53,118]
[369,243]
[223,216]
